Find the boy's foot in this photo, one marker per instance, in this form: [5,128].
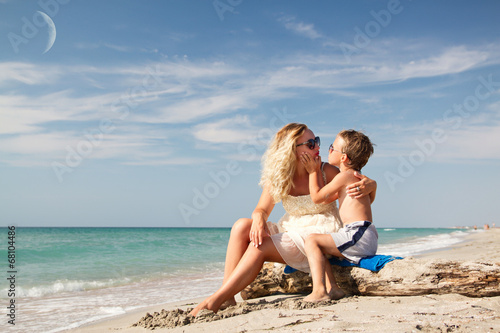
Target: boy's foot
[315,298]
[335,294]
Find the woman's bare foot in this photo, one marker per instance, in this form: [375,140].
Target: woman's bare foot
[197,309]
[317,297]
[206,304]
[336,293]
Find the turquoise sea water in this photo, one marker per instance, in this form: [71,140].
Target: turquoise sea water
[85,274]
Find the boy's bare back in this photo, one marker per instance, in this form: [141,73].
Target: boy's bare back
[352,210]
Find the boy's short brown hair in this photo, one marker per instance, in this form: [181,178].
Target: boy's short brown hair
[358,148]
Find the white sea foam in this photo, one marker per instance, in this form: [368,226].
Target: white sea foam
[97,304]
[418,245]
[67,286]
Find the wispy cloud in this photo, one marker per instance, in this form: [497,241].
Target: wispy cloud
[27,73]
[161,160]
[476,138]
[200,108]
[450,61]
[35,144]
[237,129]
[377,68]
[300,28]
[183,91]
[93,46]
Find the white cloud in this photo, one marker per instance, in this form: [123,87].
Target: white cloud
[473,143]
[35,144]
[139,145]
[300,28]
[93,46]
[174,161]
[27,73]
[22,114]
[195,109]
[247,139]
[472,139]
[450,61]
[184,91]
[327,72]
[232,130]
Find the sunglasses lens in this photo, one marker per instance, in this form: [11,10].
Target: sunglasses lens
[311,143]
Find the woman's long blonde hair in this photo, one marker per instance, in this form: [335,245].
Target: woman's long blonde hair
[279,161]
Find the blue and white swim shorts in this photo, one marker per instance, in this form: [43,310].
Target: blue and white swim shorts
[357,240]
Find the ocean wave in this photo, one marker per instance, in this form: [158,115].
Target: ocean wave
[103,303]
[419,245]
[64,286]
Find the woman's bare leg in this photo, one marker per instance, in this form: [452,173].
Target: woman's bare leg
[236,247]
[243,274]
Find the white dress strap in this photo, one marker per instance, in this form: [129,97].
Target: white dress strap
[323,172]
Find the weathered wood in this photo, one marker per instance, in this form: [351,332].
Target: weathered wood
[407,277]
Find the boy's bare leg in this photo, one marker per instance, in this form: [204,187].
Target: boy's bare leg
[333,289]
[317,264]
[328,279]
[316,245]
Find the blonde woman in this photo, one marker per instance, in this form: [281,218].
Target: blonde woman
[284,178]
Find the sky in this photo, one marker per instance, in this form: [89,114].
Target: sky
[156,113]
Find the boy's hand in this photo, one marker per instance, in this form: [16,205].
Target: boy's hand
[311,163]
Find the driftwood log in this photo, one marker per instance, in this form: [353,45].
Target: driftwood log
[406,277]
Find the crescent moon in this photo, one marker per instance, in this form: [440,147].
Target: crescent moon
[52,31]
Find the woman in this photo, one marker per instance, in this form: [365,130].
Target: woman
[284,178]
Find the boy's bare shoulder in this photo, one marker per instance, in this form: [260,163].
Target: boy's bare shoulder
[349,176]
[345,178]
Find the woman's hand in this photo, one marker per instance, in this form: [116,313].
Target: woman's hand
[364,187]
[311,163]
[257,232]
[258,229]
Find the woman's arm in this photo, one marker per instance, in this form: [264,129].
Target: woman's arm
[365,186]
[259,217]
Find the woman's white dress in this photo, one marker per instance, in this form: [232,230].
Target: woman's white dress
[303,217]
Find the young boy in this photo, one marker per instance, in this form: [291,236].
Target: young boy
[358,238]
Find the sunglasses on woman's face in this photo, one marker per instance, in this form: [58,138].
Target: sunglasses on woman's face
[311,143]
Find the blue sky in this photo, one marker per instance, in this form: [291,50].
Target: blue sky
[156,113]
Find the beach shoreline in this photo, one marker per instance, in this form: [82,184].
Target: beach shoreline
[449,312]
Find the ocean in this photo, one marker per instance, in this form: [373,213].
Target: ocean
[68,277]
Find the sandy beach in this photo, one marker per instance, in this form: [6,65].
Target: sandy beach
[288,313]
